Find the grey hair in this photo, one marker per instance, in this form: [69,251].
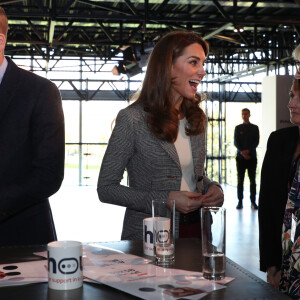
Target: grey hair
[296,53]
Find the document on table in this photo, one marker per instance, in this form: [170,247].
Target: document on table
[129,273]
[153,282]
[23,273]
[139,277]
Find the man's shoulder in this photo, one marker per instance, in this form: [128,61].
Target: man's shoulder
[253,125]
[30,76]
[248,125]
[239,126]
[285,132]
[26,76]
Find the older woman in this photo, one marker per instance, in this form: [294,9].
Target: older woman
[160,140]
[290,269]
[277,202]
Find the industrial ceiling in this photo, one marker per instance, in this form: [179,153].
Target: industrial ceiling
[100,28]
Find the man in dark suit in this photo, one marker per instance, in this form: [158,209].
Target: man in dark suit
[31,151]
[246,139]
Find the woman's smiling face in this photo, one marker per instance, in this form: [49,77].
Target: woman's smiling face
[188,71]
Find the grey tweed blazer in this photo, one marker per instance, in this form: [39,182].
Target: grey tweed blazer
[153,169]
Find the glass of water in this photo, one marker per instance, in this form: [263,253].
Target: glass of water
[213,230]
[163,232]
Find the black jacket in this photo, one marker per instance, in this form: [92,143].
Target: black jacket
[246,137]
[31,156]
[273,194]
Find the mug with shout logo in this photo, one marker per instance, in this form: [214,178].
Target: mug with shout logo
[65,265]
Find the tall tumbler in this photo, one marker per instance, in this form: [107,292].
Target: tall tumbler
[163,232]
[213,227]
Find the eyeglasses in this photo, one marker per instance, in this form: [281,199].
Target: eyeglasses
[297,64]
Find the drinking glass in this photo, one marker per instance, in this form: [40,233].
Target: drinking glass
[163,231]
[213,230]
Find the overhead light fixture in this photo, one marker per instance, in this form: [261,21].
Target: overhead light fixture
[238,29]
[128,54]
[133,69]
[119,69]
[130,69]
[129,64]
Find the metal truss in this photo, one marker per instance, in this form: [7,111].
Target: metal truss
[100,28]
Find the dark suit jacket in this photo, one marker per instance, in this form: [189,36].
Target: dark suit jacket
[273,194]
[31,156]
[246,137]
[153,168]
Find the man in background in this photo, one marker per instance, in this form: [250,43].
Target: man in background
[246,139]
[31,151]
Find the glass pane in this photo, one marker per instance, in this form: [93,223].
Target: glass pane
[97,119]
[71,165]
[92,156]
[71,113]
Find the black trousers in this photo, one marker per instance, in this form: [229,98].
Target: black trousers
[242,165]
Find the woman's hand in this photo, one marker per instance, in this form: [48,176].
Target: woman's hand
[273,276]
[213,197]
[185,202]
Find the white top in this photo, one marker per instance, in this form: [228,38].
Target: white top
[184,151]
[3,68]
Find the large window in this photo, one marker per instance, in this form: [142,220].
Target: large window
[89,122]
[88,128]
[89,125]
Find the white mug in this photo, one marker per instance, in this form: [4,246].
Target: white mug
[65,265]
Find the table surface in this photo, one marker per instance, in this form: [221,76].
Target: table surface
[187,256]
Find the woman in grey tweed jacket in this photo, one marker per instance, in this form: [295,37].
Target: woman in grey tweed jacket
[146,134]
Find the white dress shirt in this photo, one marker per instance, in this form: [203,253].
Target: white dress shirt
[3,68]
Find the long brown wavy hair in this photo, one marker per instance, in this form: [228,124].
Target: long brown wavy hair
[155,94]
